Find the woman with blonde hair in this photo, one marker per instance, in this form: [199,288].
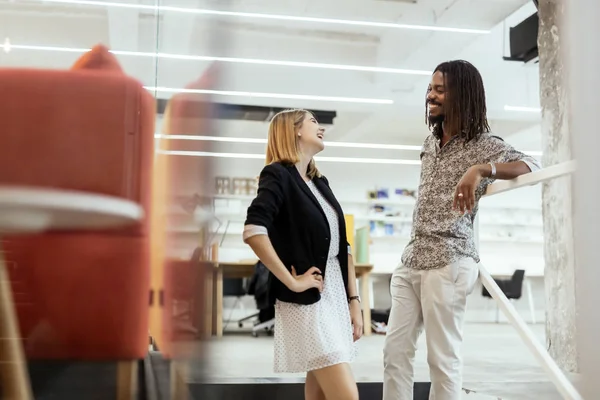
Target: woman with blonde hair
[296,227]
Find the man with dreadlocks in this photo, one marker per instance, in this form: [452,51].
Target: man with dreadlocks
[439,265]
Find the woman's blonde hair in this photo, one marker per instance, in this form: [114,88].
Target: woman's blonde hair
[282,144]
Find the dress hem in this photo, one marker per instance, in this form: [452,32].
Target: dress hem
[300,370]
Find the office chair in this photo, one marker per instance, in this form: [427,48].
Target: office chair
[236,287]
[512,288]
[267,327]
[258,287]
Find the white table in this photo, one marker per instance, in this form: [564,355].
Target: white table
[30,210]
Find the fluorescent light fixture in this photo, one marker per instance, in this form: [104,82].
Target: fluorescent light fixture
[7,47]
[264,141]
[210,154]
[211,138]
[333,21]
[270,95]
[235,60]
[355,160]
[327,144]
[368,160]
[523,109]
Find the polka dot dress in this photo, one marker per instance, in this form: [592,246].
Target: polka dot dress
[309,337]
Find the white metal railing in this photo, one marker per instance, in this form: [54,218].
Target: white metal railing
[562,383]
[532,178]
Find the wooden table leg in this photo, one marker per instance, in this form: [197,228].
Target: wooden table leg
[13,366]
[218,302]
[179,377]
[365,294]
[208,303]
[127,380]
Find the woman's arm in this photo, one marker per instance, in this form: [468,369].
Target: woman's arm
[262,247]
[260,216]
[351,275]
[355,310]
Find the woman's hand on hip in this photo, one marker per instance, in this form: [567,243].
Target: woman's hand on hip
[310,279]
[356,319]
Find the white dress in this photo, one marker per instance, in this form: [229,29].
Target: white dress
[309,337]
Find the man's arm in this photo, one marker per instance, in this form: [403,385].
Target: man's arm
[504,171]
[499,161]
[508,162]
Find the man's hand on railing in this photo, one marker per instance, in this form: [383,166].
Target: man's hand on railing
[533,178]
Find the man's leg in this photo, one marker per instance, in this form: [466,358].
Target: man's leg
[444,299]
[404,327]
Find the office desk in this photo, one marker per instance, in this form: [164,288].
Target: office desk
[245,269]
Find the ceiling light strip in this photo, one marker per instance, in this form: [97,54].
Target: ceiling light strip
[211,154]
[270,95]
[262,157]
[327,144]
[333,21]
[264,141]
[235,60]
[368,160]
[211,138]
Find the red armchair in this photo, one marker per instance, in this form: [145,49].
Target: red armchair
[81,296]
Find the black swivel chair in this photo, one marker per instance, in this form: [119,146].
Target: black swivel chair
[512,288]
[259,288]
[237,287]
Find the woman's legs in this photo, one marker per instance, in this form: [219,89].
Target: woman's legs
[336,382]
[312,390]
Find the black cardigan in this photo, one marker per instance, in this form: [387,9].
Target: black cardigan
[297,226]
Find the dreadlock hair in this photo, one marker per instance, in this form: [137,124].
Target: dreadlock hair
[464,106]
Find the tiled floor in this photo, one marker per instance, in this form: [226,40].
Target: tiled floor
[496,362]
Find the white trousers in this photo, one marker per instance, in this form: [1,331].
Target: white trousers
[435,300]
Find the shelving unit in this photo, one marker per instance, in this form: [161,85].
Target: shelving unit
[498,228]
[232,208]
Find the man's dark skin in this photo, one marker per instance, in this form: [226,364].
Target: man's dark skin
[464,194]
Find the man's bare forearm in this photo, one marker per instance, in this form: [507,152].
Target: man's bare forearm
[504,171]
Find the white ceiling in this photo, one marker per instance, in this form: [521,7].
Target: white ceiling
[47,23]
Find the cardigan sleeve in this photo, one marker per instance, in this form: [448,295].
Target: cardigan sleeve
[253,230]
[269,199]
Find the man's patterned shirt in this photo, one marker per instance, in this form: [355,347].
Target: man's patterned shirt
[441,235]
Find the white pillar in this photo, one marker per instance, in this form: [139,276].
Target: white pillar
[583,47]
[559,252]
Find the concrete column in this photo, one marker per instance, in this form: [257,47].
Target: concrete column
[556,194]
[583,66]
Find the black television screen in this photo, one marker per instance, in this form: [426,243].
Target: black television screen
[523,39]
